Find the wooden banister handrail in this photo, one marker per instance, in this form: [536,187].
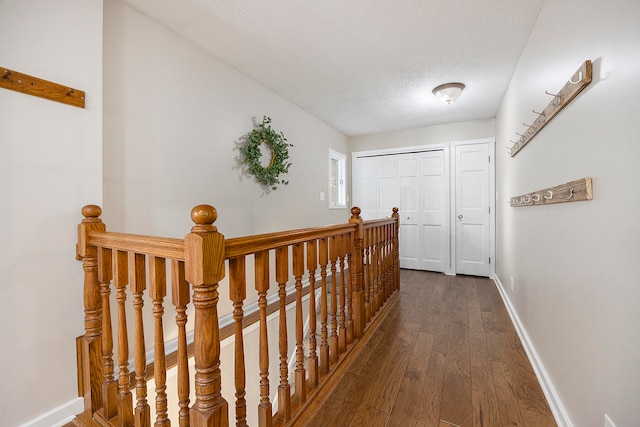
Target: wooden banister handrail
[242,246]
[344,272]
[162,247]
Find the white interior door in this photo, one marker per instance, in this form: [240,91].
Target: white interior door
[365,186]
[387,175]
[434,211]
[418,184]
[409,210]
[472,215]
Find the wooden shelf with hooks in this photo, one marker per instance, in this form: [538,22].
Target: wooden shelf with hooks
[580,79]
[573,191]
[30,85]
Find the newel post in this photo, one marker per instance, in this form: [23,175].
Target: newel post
[89,346]
[356,274]
[396,249]
[204,268]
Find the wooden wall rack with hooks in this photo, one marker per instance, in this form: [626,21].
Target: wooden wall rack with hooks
[30,85]
[573,191]
[580,79]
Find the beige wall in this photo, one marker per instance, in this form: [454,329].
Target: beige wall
[173,118]
[462,131]
[576,290]
[50,166]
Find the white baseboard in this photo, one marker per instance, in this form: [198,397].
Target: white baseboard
[557,408]
[59,416]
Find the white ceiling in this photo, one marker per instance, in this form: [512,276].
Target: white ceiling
[363,66]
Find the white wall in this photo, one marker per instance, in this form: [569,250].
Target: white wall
[576,290]
[173,118]
[462,131]
[50,166]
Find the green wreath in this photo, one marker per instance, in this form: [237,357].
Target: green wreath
[279,147]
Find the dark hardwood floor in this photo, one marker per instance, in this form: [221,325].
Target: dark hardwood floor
[446,354]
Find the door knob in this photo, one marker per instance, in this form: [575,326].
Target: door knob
[460,216]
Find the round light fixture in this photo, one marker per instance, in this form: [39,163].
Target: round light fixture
[448,92]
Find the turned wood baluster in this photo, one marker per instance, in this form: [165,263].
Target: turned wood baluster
[312,263]
[90,345]
[204,268]
[396,249]
[109,387]
[333,338]
[388,248]
[356,270]
[300,380]
[383,264]
[349,250]
[238,293]
[157,292]
[324,335]
[342,320]
[284,388]
[180,299]
[376,269]
[137,281]
[386,270]
[262,286]
[121,279]
[368,286]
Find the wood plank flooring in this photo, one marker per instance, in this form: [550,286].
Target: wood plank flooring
[446,354]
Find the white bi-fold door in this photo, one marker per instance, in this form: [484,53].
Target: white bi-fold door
[418,184]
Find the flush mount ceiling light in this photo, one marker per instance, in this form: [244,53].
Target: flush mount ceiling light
[449,92]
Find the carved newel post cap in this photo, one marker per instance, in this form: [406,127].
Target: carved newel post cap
[91,211]
[204,216]
[395,210]
[355,211]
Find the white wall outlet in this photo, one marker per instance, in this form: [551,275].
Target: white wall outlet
[511,283]
[322,195]
[608,422]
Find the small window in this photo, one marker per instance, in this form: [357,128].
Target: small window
[337,180]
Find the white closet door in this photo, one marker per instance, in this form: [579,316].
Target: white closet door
[409,210]
[418,184]
[365,186]
[434,211]
[472,209]
[387,175]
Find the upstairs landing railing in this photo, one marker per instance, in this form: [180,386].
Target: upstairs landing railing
[333,279]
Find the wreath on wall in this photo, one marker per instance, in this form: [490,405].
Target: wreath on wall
[279,149]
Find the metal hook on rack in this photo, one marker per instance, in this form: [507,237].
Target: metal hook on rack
[536,197]
[550,195]
[541,117]
[557,100]
[529,130]
[528,198]
[570,192]
[579,78]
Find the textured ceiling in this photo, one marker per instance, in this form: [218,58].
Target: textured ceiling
[363,66]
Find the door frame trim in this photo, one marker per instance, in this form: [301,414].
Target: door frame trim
[400,150]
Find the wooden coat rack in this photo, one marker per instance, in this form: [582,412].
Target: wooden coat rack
[580,79]
[30,85]
[574,191]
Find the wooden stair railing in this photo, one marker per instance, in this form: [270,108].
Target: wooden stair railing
[346,272]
